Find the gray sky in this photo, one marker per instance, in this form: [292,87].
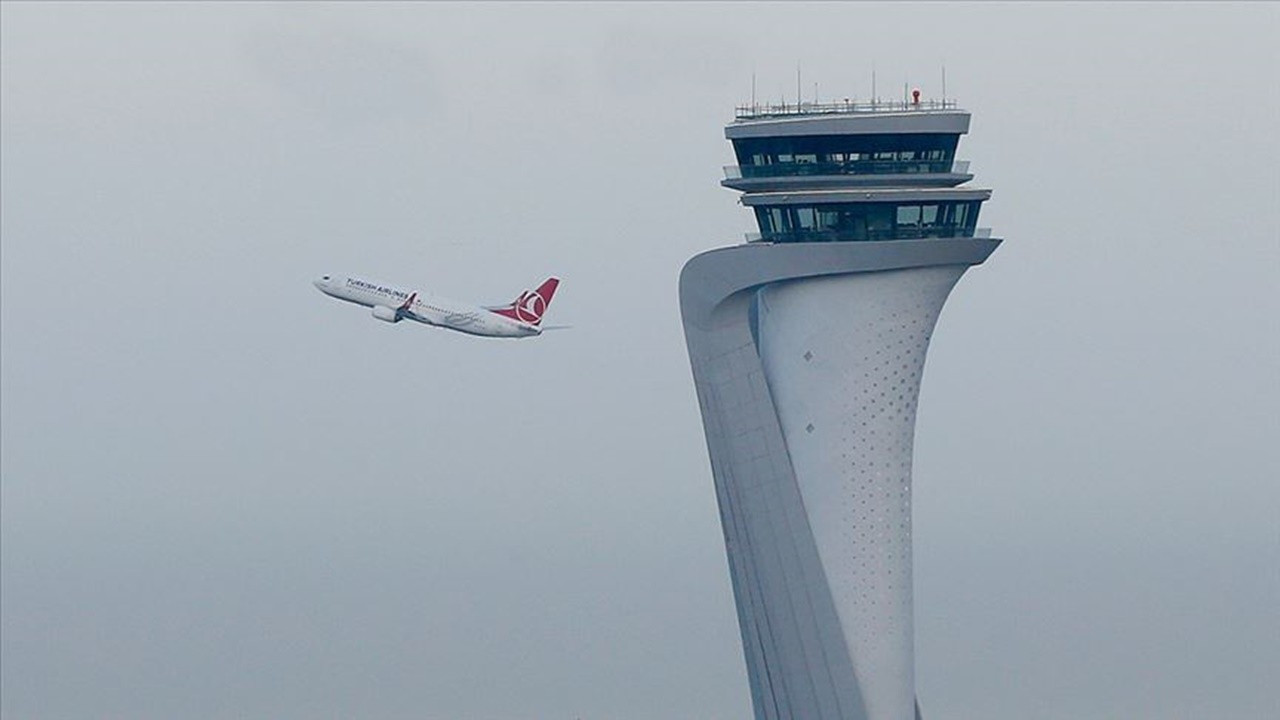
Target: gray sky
[227,496]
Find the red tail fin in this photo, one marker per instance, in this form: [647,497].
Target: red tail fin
[529,307]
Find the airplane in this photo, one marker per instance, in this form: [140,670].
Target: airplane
[521,317]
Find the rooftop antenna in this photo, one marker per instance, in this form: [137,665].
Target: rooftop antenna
[753,87]
[815,93]
[944,84]
[798,98]
[873,84]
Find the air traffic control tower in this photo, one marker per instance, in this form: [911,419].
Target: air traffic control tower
[807,344]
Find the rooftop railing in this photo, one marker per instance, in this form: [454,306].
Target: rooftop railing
[784,109]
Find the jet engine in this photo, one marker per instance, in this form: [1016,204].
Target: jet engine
[386,314]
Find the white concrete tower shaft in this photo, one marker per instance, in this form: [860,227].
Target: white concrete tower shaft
[807,351]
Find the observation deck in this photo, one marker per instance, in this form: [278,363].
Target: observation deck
[839,171]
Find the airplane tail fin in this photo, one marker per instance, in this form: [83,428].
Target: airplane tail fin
[531,304]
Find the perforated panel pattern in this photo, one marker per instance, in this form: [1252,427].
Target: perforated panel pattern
[843,358]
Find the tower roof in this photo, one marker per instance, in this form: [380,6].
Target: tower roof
[848,118]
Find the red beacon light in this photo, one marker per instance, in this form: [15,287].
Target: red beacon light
[915,96]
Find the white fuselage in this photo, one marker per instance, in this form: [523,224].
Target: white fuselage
[389,304]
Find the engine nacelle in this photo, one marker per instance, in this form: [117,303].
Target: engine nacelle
[386,314]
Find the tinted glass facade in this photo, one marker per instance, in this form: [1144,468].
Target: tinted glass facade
[846,154]
[867,221]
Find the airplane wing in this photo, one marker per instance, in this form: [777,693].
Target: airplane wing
[404,311]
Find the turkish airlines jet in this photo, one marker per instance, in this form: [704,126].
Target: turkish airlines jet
[522,317]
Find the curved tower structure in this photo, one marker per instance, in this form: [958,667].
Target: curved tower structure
[807,345]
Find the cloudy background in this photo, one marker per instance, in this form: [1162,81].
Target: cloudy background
[227,496]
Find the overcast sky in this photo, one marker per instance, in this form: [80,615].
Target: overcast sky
[225,495]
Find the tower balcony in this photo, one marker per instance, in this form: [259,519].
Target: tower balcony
[832,175]
[898,232]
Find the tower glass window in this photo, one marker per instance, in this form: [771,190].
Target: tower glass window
[846,154]
[838,222]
